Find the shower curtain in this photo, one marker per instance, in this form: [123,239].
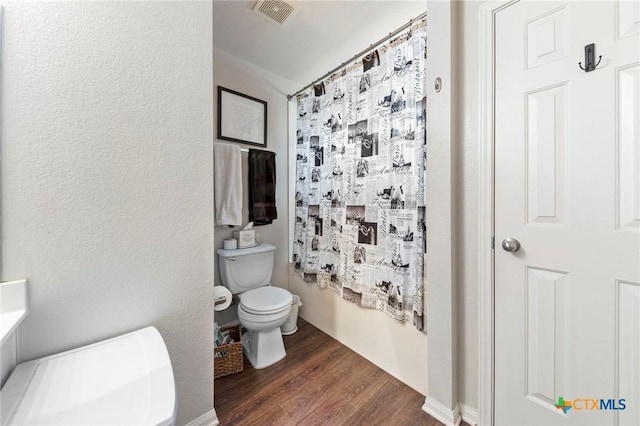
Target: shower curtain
[360,183]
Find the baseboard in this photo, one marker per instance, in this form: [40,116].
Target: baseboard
[209,418]
[441,413]
[469,414]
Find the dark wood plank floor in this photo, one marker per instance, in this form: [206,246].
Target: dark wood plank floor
[319,382]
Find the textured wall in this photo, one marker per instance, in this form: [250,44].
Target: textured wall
[466,38]
[440,215]
[107,177]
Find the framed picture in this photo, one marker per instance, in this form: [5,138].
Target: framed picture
[241,118]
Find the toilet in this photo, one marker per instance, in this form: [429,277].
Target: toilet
[262,308]
[127,380]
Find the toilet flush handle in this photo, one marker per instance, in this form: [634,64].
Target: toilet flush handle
[233,259]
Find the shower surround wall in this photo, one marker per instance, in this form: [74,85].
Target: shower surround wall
[107,178]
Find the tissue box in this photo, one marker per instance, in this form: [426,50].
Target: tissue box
[245,238]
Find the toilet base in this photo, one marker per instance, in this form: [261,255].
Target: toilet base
[263,348]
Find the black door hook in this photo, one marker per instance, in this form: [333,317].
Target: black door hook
[589,58]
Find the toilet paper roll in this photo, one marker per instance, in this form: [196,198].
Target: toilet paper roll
[230,244]
[222,298]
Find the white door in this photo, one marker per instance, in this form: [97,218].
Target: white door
[567,188]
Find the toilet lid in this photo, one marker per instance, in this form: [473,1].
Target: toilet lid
[265,299]
[127,380]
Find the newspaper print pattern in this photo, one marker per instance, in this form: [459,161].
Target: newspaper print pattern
[360,188]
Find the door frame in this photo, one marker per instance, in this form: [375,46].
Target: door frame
[486,205]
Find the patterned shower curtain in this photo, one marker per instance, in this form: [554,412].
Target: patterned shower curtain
[360,184]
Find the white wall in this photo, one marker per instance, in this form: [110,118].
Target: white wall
[440,216]
[107,178]
[463,268]
[466,34]
[236,74]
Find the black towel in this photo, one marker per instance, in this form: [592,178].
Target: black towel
[262,187]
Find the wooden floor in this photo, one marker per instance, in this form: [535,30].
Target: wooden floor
[319,382]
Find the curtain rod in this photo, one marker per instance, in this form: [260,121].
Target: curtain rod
[361,53]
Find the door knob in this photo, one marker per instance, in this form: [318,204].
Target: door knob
[511,245]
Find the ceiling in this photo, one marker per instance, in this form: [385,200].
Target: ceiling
[317,38]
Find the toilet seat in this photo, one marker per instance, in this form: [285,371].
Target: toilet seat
[121,381]
[266,300]
[263,319]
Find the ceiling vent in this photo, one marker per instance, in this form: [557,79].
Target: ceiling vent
[276,10]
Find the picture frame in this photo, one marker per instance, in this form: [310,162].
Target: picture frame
[241,118]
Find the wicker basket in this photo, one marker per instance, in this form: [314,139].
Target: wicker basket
[228,358]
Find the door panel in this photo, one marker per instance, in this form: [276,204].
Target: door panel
[567,186]
[628,350]
[546,122]
[547,310]
[628,150]
[546,37]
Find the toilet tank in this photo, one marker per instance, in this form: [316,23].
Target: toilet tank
[247,268]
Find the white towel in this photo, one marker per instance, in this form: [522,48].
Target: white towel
[228,184]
